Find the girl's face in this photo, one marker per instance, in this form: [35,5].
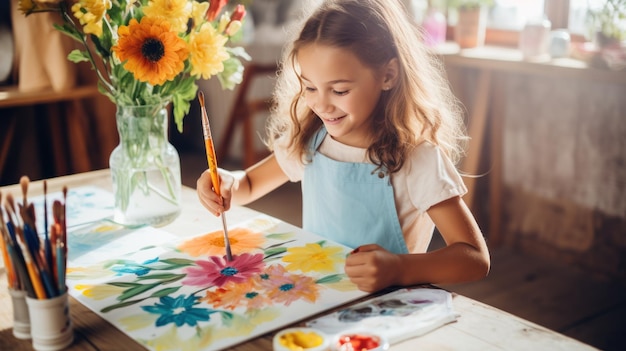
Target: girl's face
[341,91]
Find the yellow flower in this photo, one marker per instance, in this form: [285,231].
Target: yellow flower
[153,53]
[90,14]
[177,12]
[199,12]
[207,51]
[26,6]
[99,292]
[313,257]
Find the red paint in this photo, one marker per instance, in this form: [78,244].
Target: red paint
[358,342]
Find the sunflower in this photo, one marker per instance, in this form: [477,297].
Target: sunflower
[153,53]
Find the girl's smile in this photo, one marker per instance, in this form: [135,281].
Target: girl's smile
[341,90]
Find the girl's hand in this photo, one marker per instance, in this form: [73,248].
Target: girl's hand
[207,195]
[372,268]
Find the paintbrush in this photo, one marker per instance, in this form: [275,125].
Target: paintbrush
[47,245]
[212,161]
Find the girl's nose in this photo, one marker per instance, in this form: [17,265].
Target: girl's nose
[322,104]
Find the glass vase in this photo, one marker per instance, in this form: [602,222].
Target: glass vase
[145,167]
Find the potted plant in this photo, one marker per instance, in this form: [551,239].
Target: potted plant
[471,23]
[607,22]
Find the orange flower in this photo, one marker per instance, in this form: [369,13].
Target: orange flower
[153,53]
[212,244]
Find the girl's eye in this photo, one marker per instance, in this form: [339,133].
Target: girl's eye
[340,93]
[309,89]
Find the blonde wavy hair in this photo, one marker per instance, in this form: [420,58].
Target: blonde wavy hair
[420,107]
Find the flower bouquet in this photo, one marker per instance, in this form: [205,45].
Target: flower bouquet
[148,54]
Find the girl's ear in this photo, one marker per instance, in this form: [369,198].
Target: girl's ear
[390,74]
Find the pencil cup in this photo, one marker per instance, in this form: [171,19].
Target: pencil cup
[21,319]
[51,326]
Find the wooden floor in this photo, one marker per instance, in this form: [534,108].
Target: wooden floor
[572,302]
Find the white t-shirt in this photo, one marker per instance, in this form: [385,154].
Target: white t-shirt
[427,178]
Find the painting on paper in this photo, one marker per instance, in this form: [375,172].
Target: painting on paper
[170,295]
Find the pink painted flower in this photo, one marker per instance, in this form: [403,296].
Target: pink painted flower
[282,287]
[217,271]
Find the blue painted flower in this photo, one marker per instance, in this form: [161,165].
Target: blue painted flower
[179,310]
[133,268]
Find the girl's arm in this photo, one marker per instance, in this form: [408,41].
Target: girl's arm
[240,187]
[465,257]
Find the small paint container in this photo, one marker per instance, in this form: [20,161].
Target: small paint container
[359,341]
[301,339]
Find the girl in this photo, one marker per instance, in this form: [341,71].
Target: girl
[367,122]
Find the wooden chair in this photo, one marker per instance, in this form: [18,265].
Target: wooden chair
[243,111]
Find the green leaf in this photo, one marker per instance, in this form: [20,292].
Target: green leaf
[69,31]
[232,73]
[159,276]
[165,292]
[120,305]
[274,251]
[124,284]
[77,56]
[132,292]
[333,278]
[281,236]
[179,262]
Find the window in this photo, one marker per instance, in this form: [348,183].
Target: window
[507,17]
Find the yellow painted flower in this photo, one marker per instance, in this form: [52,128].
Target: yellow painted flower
[212,244]
[90,14]
[314,257]
[138,321]
[99,292]
[153,53]
[90,272]
[177,12]
[207,51]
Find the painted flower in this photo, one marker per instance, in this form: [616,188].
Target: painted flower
[218,271]
[152,51]
[283,287]
[129,267]
[212,244]
[178,310]
[314,257]
[98,292]
[246,294]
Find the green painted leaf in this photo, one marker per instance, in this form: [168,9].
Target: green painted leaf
[165,292]
[132,292]
[120,305]
[333,278]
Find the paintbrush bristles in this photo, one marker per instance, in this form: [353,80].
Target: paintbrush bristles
[24,182]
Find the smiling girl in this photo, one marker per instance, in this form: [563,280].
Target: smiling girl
[365,120]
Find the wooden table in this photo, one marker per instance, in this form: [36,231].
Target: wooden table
[479,327]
